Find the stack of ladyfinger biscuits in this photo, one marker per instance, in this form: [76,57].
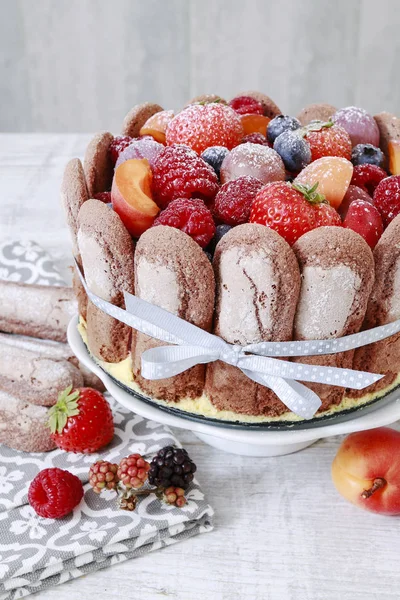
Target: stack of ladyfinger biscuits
[258,288]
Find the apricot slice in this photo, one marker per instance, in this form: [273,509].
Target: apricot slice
[156,125]
[333,175]
[394,156]
[254,124]
[131,195]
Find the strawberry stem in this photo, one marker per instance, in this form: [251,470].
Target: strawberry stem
[65,407]
[310,193]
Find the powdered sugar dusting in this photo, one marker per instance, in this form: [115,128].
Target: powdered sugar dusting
[253,160]
[143,148]
[360,125]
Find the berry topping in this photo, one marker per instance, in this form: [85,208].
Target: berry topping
[255,138]
[367,177]
[254,124]
[286,208]
[157,124]
[179,173]
[253,160]
[214,156]
[360,126]
[133,471]
[203,125]
[280,124]
[220,231]
[81,421]
[327,139]
[245,105]
[54,493]
[233,202]
[325,215]
[117,145]
[175,496]
[353,193]
[103,197]
[190,216]
[365,219]
[103,476]
[293,149]
[143,148]
[367,154]
[171,467]
[387,198]
[332,173]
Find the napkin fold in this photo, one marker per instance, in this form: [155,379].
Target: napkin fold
[37,553]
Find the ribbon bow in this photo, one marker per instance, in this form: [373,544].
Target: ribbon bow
[193,346]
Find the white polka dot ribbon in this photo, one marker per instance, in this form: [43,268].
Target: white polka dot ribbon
[193,346]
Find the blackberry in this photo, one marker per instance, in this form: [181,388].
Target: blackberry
[214,157]
[171,467]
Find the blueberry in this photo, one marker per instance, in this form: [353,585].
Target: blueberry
[220,231]
[367,154]
[280,124]
[294,150]
[214,157]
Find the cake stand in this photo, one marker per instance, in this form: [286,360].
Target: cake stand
[243,441]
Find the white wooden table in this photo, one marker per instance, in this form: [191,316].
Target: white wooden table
[281,530]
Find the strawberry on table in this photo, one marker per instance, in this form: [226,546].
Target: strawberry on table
[81,421]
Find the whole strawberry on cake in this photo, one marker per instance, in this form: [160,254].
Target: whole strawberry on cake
[249,223]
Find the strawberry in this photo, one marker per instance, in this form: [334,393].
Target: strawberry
[325,215]
[327,139]
[81,421]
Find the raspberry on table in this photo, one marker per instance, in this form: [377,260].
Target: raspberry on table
[367,177]
[191,216]
[103,476]
[133,470]
[54,493]
[178,172]
[233,202]
[200,126]
[119,143]
[245,105]
[328,139]
[387,198]
[171,467]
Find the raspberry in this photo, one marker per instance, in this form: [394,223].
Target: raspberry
[245,105]
[203,125]
[387,198]
[103,475]
[179,173]
[171,467]
[132,471]
[118,144]
[255,138]
[191,216]
[367,177]
[103,197]
[54,493]
[327,139]
[175,496]
[233,201]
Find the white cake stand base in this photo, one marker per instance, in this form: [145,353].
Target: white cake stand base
[246,442]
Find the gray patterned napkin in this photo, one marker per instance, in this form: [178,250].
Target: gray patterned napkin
[37,553]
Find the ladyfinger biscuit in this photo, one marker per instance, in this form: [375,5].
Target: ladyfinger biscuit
[41,311]
[97,164]
[79,291]
[271,110]
[137,117]
[206,99]
[337,271]
[389,129]
[106,249]
[316,112]
[33,377]
[23,426]
[383,308]
[257,283]
[171,271]
[74,193]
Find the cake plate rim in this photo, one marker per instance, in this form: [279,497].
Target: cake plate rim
[244,442]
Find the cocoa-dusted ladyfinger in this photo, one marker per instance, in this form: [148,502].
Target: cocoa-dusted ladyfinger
[270,109]
[137,117]
[257,282]
[173,272]
[337,271]
[316,112]
[106,249]
[41,311]
[97,164]
[23,426]
[389,129]
[383,307]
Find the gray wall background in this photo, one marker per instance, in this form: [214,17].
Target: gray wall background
[79,65]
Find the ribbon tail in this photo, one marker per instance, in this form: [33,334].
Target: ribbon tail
[166,361]
[297,397]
